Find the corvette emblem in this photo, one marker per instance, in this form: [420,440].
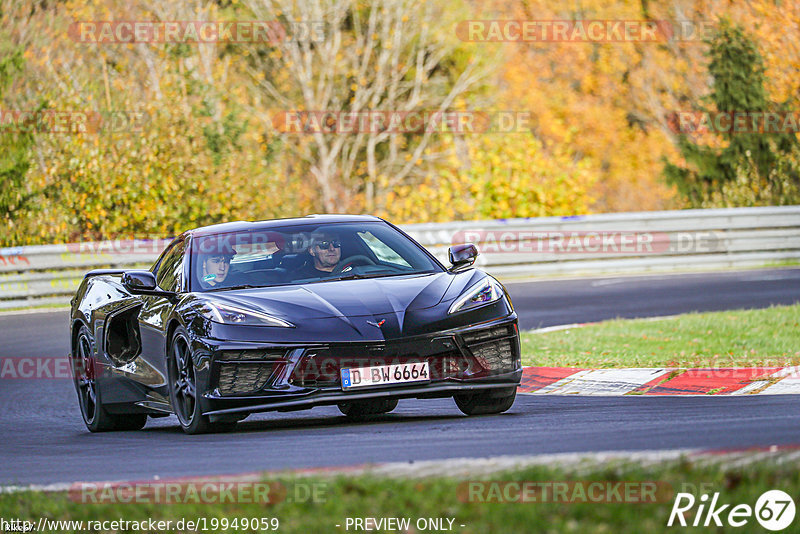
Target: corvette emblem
[378,324]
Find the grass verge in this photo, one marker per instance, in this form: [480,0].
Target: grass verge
[363,496]
[743,338]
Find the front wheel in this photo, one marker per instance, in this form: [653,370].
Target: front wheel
[84,372]
[487,402]
[183,388]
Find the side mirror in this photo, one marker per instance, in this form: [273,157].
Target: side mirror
[143,283]
[462,256]
[139,281]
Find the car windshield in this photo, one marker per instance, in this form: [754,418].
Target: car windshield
[302,254]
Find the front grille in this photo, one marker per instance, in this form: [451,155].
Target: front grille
[495,349]
[239,378]
[250,355]
[322,368]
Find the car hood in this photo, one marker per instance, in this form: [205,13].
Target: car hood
[350,298]
[373,309]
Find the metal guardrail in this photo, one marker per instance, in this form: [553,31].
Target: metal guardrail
[547,246]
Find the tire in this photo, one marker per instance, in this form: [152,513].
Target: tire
[94,414]
[183,388]
[488,402]
[363,408]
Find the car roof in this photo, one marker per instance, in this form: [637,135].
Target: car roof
[242,226]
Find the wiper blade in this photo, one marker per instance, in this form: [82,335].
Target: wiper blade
[356,276]
[353,276]
[225,288]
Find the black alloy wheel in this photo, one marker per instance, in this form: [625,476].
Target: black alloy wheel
[183,389]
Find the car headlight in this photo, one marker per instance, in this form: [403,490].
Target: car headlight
[486,291]
[227,314]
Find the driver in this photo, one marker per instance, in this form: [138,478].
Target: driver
[326,251]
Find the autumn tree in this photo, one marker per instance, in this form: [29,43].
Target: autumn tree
[503,175]
[205,152]
[751,167]
[388,55]
[15,145]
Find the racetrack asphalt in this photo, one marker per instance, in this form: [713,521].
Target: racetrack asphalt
[45,441]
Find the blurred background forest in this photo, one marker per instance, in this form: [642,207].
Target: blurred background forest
[599,137]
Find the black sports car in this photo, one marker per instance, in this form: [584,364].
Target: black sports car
[289,314]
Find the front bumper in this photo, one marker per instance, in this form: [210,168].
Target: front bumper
[248,378]
[508,381]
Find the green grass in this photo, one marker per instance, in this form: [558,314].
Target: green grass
[368,496]
[783,263]
[769,337]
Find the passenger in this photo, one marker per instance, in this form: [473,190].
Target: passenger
[215,266]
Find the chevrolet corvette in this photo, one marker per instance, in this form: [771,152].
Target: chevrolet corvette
[281,315]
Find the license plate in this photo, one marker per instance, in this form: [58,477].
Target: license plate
[359,377]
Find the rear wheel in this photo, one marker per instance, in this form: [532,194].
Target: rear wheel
[85,370]
[492,401]
[183,389]
[363,408]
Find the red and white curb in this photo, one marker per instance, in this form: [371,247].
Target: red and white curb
[660,381]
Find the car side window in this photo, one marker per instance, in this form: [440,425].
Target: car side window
[169,273]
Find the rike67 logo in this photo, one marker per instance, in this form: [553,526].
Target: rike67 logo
[774,510]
